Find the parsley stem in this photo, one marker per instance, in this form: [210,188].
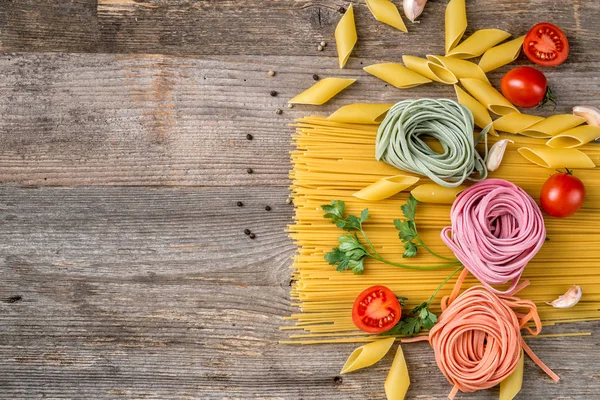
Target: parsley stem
[442,284]
[418,268]
[433,253]
[369,242]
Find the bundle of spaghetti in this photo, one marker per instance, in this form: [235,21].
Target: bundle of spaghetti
[333,160]
[400,141]
[477,340]
[496,229]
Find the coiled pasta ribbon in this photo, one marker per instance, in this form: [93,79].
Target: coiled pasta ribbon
[477,340]
[496,229]
[400,141]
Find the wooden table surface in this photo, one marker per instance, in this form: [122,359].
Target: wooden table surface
[124,269]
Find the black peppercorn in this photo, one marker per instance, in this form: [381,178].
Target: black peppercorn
[252,236]
[240,204]
[315,77]
[273,93]
[249,170]
[249,136]
[267,208]
[247,231]
[341,10]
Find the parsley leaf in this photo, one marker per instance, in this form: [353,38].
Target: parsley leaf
[410,250]
[335,212]
[407,229]
[420,318]
[349,255]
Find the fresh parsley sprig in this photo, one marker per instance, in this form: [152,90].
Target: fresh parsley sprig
[351,252]
[408,234]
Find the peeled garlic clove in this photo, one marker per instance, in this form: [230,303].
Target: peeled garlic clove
[496,154]
[591,114]
[413,8]
[569,299]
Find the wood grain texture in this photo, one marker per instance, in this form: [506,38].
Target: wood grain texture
[125,272]
[157,293]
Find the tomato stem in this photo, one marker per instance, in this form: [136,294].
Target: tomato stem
[549,98]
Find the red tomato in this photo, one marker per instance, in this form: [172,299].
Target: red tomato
[562,195]
[524,86]
[376,310]
[545,44]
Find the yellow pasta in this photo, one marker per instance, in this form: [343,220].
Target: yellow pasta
[513,383]
[361,113]
[556,158]
[456,23]
[396,75]
[385,11]
[575,137]
[397,381]
[386,187]
[322,91]
[500,55]
[345,36]
[480,112]
[488,96]
[516,122]
[430,70]
[460,68]
[476,44]
[367,355]
[553,125]
[433,193]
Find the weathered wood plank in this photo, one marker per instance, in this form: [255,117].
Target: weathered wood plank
[248,27]
[157,293]
[68,119]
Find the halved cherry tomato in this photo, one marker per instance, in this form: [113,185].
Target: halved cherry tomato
[376,310]
[562,195]
[545,44]
[525,87]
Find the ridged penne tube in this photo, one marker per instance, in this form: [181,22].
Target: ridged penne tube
[476,44]
[513,383]
[455,23]
[480,113]
[360,113]
[428,69]
[385,11]
[432,193]
[367,355]
[386,187]
[516,122]
[345,36]
[575,137]
[488,96]
[397,381]
[397,75]
[322,91]
[500,55]
[556,158]
[460,68]
[552,126]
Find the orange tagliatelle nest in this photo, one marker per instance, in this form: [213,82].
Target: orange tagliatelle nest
[477,340]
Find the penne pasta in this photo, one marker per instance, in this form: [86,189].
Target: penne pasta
[556,158]
[488,96]
[367,355]
[575,137]
[397,75]
[500,55]
[476,44]
[433,193]
[516,122]
[455,23]
[360,113]
[386,187]
[513,383]
[345,36]
[322,91]
[460,68]
[428,69]
[479,111]
[385,11]
[397,381]
[553,125]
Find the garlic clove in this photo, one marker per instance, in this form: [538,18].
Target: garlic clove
[591,114]
[569,299]
[496,154]
[413,8]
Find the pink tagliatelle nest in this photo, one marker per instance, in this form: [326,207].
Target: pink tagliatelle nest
[496,229]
